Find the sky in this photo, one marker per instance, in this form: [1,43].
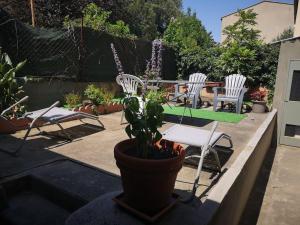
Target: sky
[211,11]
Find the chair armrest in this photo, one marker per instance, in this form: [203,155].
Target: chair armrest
[241,97]
[17,103]
[216,91]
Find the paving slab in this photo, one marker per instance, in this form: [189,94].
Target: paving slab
[281,202]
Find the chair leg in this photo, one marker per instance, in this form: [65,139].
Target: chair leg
[217,158]
[215,105]
[229,140]
[122,117]
[15,153]
[200,165]
[64,132]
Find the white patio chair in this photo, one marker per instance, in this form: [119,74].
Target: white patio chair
[50,115]
[204,140]
[234,92]
[130,85]
[194,88]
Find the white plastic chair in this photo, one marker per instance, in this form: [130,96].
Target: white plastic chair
[130,84]
[204,140]
[234,91]
[195,85]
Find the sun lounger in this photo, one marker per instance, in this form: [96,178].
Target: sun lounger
[50,115]
[204,140]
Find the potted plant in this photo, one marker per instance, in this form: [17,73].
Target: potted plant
[10,91]
[148,165]
[258,100]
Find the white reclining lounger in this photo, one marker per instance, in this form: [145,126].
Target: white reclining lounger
[51,115]
[205,140]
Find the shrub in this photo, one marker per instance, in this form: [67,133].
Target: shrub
[259,94]
[97,95]
[73,100]
[244,53]
[9,88]
[94,94]
[157,96]
[107,97]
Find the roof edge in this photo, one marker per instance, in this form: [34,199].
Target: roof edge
[282,3]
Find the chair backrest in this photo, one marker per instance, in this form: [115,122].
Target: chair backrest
[129,83]
[234,84]
[199,79]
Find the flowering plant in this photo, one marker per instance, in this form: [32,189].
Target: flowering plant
[259,94]
[145,117]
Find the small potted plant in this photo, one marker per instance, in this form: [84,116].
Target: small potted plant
[10,92]
[258,100]
[148,165]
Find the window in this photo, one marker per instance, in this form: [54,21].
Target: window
[295,87]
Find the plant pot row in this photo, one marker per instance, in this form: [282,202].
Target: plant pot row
[12,125]
[100,109]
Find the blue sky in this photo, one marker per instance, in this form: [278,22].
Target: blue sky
[211,11]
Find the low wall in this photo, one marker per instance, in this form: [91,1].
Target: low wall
[46,92]
[227,200]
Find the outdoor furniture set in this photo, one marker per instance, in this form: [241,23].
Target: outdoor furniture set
[204,140]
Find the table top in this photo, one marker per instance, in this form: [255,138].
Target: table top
[182,82]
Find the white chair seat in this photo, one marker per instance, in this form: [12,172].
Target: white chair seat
[190,135]
[230,99]
[55,113]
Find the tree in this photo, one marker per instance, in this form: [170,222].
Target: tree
[240,49]
[189,38]
[287,33]
[245,53]
[149,19]
[98,19]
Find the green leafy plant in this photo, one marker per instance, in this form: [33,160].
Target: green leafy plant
[94,94]
[244,52]
[144,125]
[157,96]
[145,114]
[97,18]
[98,95]
[192,42]
[73,100]
[9,88]
[107,97]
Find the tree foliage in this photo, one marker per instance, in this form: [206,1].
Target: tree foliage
[149,19]
[244,52]
[98,19]
[193,43]
[287,33]
[9,88]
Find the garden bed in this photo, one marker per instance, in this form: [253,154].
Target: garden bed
[100,109]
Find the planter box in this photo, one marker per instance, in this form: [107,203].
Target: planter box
[259,106]
[100,109]
[13,125]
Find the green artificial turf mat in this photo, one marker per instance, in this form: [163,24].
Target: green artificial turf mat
[205,114]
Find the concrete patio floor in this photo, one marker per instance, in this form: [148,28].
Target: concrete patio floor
[95,148]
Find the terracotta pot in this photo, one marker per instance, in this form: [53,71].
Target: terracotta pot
[13,125]
[101,109]
[259,106]
[148,184]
